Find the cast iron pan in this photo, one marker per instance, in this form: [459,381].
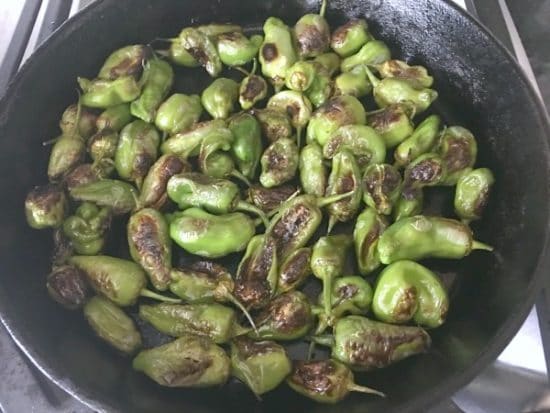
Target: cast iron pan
[480,86]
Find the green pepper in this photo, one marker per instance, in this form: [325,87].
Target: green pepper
[189,361]
[363,344]
[312,33]
[277,52]
[215,321]
[350,37]
[136,151]
[67,153]
[287,317]
[320,90]
[330,62]
[202,49]
[363,141]
[279,163]
[218,196]
[114,118]
[373,52]
[103,145]
[368,228]
[338,111]
[178,113]
[247,144]
[112,325]
[67,286]
[211,236]
[261,365]
[381,187]
[87,228]
[472,193]
[119,196]
[294,270]
[62,250]
[325,381]
[253,89]
[422,140]
[178,55]
[186,144]
[150,245]
[393,123]
[256,279]
[45,207]
[426,170]
[410,203]
[215,29]
[77,115]
[328,258]
[274,123]
[295,104]
[220,97]
[104,94]
[126,61]
[344,177]
[87,173]
[393,90]
[121,281]
[350,295]
[300,76]
[313,173]
[408,291]
[458,149]
[417,76]
[421,237]
[235,49]
[354,83]
[153,191]
[270,199]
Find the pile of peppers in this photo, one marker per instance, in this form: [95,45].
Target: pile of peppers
[301,130]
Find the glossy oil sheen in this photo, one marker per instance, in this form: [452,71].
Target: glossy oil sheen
[480,87]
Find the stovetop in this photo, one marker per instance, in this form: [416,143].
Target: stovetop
[516,382]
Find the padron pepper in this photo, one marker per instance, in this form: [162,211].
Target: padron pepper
[421,237]
[121,281]
[188,143]
[189,361]
[408,291]
[45,207]
[381,187]
[270,199]
[178,55]
[103,145]
[247,143]
[338,111]
[211,236]
[67,286]
[417,76]
[321,88]
[61,250]
[87,228]
[393,123]
[364,142]
[261,365]
[201,47]
[153,191]
[136,151]
[294,271]
[126,61]
[287,317]
[120,196]
[330,62]
[275,124]
[421,141]
[178,113]
[458,149]
[77,120]
[368,228]
[373,52]
[87,173]
[300,75]
[426,170]
[104,94]
[312,33]
[67,153]
[350,37]
[277,52]
[253,89]
[256,278]
[279,163]
[215,29]
[351,294]
[296,105]
[325,381]
[345,177]
[313,172]
[235,49]
[219,97]
[363,344]
[112,325]
[393,90]
[410,203]
[354,83]
[328,259]
[150,245]
[472,193]
[114,118]
[212,320]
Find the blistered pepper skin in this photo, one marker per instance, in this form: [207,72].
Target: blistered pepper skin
[472,193]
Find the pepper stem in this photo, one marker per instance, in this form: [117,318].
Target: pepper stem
[310,350]
[151,294]
[327,200]
[275,211]
[323,8]
[331,222]
[363,389]
[372,79]
[232,299]
[299,136]
[50,142]
[236,174]
[476,245]
[239,330]
[327,294]
[326,340]
[245,206]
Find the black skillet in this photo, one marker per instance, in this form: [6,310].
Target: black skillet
[480,86]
